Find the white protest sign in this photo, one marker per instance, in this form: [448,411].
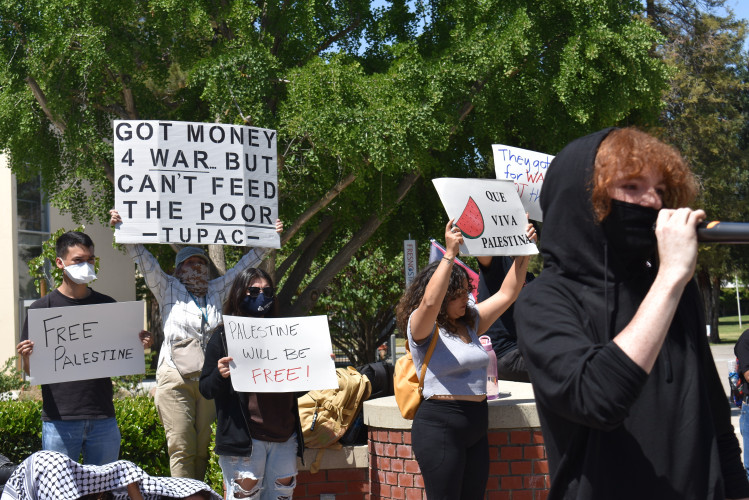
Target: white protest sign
[280,354]
[195,183]
[85,342]
[489,214]
[527,170]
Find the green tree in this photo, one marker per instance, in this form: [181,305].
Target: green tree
[704,118]
[360,303]
[369,103]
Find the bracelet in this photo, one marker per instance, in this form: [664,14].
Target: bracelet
[451,261]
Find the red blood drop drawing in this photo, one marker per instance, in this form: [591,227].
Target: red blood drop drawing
[471,222]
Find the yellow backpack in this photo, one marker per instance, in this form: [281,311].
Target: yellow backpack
[326,415]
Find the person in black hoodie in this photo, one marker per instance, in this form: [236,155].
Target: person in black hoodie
[258,435]
[613,330]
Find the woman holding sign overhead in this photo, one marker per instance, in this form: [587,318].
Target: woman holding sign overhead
[190,307]
[449,431]
[258,435]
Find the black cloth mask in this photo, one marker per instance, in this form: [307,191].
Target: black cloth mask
[256,307]
[630,231]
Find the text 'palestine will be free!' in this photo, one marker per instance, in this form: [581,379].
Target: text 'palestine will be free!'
[195,183]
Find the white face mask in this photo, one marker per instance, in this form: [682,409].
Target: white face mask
[81,273]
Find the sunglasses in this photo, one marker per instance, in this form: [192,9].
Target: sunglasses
[255,291]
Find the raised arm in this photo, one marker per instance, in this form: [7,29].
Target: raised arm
[493,307]
[156,279]
[643,337]
[424,317]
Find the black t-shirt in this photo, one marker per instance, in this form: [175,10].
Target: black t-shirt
[502,332]
[81,399]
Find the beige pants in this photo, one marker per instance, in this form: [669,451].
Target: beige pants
[187,417]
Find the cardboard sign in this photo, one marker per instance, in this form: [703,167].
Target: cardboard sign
[527,170]
[195,183]
[280,354]
[86,342]
[489,214]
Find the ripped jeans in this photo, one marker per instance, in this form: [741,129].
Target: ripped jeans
[269,463]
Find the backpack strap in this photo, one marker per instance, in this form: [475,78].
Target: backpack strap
[428,356]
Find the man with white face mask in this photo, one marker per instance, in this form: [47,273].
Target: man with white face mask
[77,417]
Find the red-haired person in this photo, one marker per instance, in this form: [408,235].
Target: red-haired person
[613,330]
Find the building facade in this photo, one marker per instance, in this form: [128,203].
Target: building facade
[26,221]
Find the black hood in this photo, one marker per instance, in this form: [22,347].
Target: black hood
[572,243]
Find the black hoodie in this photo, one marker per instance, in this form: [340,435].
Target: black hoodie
[611,430]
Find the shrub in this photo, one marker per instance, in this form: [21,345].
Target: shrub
[143,440]
[11,378]
[21,428]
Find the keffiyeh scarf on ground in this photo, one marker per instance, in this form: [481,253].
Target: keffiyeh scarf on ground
[48,475]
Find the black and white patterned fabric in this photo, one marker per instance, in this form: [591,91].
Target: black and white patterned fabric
[48,475]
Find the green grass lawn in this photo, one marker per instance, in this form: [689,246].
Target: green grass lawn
[728,328]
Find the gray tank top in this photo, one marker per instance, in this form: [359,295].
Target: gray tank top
[456,368]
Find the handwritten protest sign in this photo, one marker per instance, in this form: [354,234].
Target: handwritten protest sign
[85,342]
[280,354]
[489,214]
[195,183]
[527,170]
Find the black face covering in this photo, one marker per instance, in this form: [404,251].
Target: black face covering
[256,307]
[630,231]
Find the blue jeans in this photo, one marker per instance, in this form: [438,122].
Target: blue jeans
[98,439]
[744,427]
[268,463]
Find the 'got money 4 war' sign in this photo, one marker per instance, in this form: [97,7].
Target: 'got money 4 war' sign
[195,183]
[489,214]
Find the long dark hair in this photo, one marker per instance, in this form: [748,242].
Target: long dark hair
[239,290]
[415,292]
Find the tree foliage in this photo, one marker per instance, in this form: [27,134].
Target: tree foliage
[369,102]
[706,118]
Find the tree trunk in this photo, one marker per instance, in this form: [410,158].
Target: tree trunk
[311,294]
[710,293]
[217,256]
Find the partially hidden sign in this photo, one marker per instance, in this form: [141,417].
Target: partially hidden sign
[85,342]
[195,183]
[527,169]
[489,214]
[280,354]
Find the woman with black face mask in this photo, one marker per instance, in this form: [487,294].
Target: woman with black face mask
[258,435]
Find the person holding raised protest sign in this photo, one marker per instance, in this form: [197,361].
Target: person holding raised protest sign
[613,330]
[258,434]
[190,306]
[77,417]
[450,428]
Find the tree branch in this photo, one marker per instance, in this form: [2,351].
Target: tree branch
[302,247]
[60,125]
[311,293]
[316,207]
[303,264]
[331,40]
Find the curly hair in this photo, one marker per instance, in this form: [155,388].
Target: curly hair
[412,297]
[239,288]
[626,153]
